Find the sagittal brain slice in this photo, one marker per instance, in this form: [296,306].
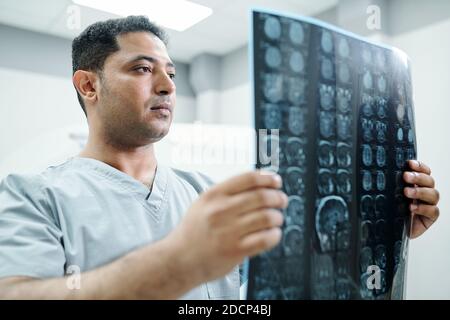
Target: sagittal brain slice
[343,113]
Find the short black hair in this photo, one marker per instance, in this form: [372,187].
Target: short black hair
[99,40]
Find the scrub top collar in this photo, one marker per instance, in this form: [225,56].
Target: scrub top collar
[152,200]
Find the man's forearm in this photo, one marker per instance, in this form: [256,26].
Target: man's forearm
[156,271]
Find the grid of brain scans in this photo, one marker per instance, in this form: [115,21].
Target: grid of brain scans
[338,112]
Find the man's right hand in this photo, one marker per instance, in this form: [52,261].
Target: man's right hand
[231,221]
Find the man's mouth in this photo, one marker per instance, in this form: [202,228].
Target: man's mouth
[162,110]
[162,107]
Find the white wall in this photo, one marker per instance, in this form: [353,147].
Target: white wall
[429,50]
[34,104]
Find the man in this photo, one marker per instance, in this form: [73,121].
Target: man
[132,227]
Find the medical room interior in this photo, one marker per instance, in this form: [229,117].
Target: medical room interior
[42,124]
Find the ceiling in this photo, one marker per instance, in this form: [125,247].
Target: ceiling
[220,33]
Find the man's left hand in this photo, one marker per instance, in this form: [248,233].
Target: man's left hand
[424,209]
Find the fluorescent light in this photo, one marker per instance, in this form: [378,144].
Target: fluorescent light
[173,14]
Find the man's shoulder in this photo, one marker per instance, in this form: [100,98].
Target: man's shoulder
[33,182]
[22,182]
[199,181]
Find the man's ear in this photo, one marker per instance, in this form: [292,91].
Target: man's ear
[86,84]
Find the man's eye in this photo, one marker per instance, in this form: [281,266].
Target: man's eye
[143,69]
[172,75]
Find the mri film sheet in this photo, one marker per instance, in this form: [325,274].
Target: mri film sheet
[339,114]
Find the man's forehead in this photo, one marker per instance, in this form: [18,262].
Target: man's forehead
[134,44]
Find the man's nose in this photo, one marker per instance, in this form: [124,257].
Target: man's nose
[164,85]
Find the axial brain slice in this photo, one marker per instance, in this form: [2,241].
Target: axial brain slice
[272,28]
[296,120]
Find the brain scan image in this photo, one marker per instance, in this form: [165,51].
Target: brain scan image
[344,111]
[297,62]
[332,211]
[409,111]
[380,205]
[365,258]
[327,42]
[399,157]
[344,98]
[344,183]
[344,157]
[323,273]
[326,154]
[367,207]
[410,154]
[400,134]
[272,28]
[326,182]
[297,120]
[366,232]
[295,211]
[380,256]
[295,152]
[366,180]
[381,84]
[327,69]
[381,181]
[296,33]
[344,48]
[273,57]
[381,130]
[295,183]
[273,87]
[326,97]
[344,73]
[367,129]
[381,108]
[381,156]
[293,241]
[296,90]
[272,116]
[410,136]
[401,113]
[344,123]
[367,80]
[367,155]
[367,107]
[327,124]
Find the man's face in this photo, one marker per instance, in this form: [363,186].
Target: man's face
[137,93]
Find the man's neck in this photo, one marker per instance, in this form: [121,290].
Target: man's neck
[140,163]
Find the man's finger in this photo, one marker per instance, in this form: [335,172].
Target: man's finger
[259,220]
[419,166]
[252,200]
[429,211]
[247,181]
[420,179]
[428,195]
[258,242]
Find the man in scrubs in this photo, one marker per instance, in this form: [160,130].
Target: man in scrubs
[112,222]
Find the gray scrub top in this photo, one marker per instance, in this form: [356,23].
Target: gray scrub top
[85,213]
